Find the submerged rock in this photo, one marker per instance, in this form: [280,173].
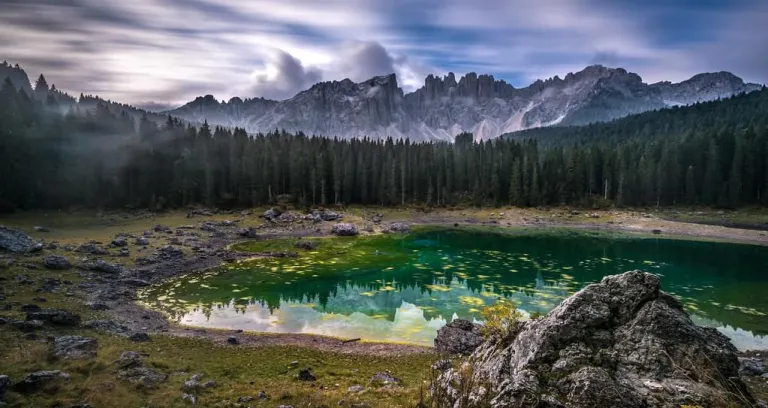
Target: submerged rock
[458,337]
[305,244]
[344,229]
[16,241]
[619,343]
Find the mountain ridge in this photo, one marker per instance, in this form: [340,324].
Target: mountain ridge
[444,106]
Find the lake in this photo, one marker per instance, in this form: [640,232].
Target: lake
[403,288]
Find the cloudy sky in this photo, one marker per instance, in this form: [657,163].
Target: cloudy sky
[165,52]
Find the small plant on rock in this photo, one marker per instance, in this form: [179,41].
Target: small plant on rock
[501,319]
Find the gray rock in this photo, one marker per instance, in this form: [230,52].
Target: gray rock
[133,370]
[107,326]
[28,325]
[344,229]
[458,337]
[248,232]
[106,267]
[30,308]
[40,228]
[326,215]
[139,337]
[384,378]
[306,375]
[355,389]
[619,343]
[55,316]
[272,213]
[91,249]
[751,366]
[135,282]
[16,241]
[75,347]
[119,242]
[305,244]
[398,227]
[5,382]
[191,398]
[170,252]
[97,306]
[56,262]
[37,380]
[233,340]
[163,228]
[142,241]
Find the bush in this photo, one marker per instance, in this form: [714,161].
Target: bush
[501,319]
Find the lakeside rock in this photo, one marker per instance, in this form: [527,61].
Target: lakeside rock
[618,343]
[305,244]
[344,229]
[458,337]
[398,228]
[16,241]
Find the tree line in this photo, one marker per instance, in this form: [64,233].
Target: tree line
[713,154]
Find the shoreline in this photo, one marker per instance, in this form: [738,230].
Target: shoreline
[127,310]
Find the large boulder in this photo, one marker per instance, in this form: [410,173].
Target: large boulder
[326,215]
[618,343]
[74,347]
[272,213]
[16,241]
[56,262]
[458,337]
[344,229]
[398,228]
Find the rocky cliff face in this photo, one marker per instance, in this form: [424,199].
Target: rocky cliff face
[619,343]
[445,107]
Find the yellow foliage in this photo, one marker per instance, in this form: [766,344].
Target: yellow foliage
[501,319]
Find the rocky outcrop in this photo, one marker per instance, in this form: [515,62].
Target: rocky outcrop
[74,347]
[344,229]
[619,343]
[398,228]
[55,316]
[56,262]
[16,241]
[443,107]
[458,337]
[39,379]
[132,369]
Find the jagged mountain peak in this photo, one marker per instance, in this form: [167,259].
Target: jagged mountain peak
[447,105]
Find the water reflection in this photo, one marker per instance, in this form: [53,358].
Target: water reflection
[405,288]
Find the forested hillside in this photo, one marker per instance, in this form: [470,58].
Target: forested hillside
[709,154]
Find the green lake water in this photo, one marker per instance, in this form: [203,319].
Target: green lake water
[403,288]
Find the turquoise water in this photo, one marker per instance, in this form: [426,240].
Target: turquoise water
[403,288]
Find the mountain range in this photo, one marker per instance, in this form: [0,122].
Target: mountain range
[445,107]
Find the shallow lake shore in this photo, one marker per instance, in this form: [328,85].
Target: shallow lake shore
[211,247]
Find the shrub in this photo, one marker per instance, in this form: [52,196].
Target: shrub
[501,319]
